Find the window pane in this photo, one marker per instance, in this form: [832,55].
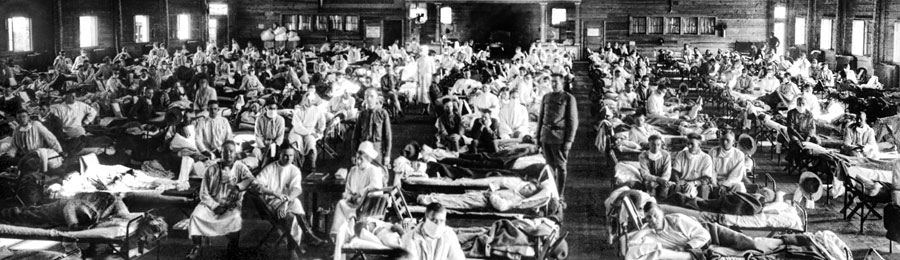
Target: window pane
[858,40]
[800,31]
[213,31]
[656,25]
[141,28]
[707,25]
[218,9]
[290,22]
[639,25]
[19,34]
[305,22]
[780,12]
[558,16]
[779,33]
[691,25]
[825,34]
[352,23]
[337,22]
[87,31]
[321,23]
[184,26]
[674,24]
[446,15]
[896,56]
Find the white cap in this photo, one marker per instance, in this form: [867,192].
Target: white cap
[368,148]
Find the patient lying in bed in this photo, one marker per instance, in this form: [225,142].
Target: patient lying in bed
[505,194]
[75,213]
[677,236]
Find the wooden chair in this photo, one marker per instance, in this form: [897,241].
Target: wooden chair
[856,191]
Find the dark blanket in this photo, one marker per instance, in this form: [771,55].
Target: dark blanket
[505,238]
[503,159]
[735,203]
[800,246]
[437,169]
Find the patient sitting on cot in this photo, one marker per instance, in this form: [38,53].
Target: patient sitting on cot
[678,236]
[76,213]
[505,194]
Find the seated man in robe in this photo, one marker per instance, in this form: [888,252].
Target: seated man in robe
[284,178]
[307,127]
[212,130]
[449,127]
[505,194]
[692,169]
[801,127]
[484,131]
[433,240]
[513,116]
[29,136]
[221,197]
[788,92]
[656,168]
[677,236]
[859,139]
[361,179]
[483,99]
[728,164]
[74,115]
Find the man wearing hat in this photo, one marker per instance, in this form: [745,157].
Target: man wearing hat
[692,169]
[558,122]
[374,125]
[269,130]
[361,179]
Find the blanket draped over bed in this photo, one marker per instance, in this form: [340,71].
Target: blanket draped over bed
[506,238]
[735,203]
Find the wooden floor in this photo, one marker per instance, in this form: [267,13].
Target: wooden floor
[588,184]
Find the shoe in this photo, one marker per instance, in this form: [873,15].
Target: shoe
[194,254]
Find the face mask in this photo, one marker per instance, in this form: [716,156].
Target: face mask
[430,227]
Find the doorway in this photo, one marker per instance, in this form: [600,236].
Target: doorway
[218,30]
[391,32]
[594,34]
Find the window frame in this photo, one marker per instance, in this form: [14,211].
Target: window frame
[800,33]
[143,30]
[95,40]
[183,27]
[863,51]
[10,24]
[830,33]
[351,26]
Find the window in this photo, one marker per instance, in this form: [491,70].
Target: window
[557,16]
[305,22]
[691,25]
[896,56]
[707,25]
[351,23]
[656,25]
[213,30]
[858,40]
[778,29]
[825,34]
[141,28]
[639,25]
[184,26]
[446,15]
[800,31]
[780,12]
[19,29]
[290,22]
[673,25]
[321,23]
[337,22]
[218,9]
[87,31]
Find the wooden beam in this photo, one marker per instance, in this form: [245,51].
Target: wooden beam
[120,33]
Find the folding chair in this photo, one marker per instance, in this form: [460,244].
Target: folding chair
[277,224]
[856,191]
[628,220]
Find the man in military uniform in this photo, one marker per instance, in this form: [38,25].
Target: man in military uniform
[558,122]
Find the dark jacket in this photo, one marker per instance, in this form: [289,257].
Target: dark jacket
[374,125]
[558,118]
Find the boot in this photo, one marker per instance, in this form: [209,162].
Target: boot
[313,239]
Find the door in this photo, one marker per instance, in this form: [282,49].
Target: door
[218,30]
[391,32]
[594,33]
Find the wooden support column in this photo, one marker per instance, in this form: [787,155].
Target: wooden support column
[841,24]
[578,26]
[437,24]
[168,24]
[543,22]
[59,14]
[878,35]
[120,33]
